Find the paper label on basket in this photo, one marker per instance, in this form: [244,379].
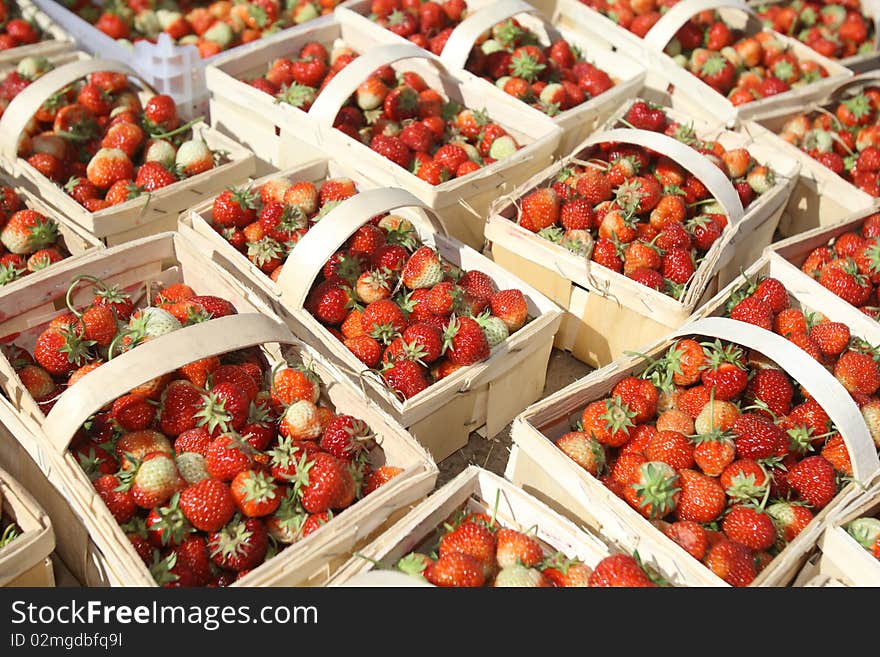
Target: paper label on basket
[821,384]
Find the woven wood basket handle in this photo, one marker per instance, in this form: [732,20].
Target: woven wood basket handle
[152,359]
[345,83]
[861,80]
[695,162]
[328,235]
[824,388]
[679,14]
[461,41]
[25,104]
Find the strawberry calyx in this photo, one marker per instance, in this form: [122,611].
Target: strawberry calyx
[232,540]
[264,251]
[657,488]
[213,414]
[618,417]
[161,569]
[259,487]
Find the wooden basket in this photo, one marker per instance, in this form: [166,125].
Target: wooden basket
[536,464]
[841,559]
[857,63]
[76,240]
[681,88]
[608,313]
[787,256]
[58,40]
[25,560]
[462,201]
[138,217]
[476,490]
[821,197]
[576,123]
[147,260]
[485,395]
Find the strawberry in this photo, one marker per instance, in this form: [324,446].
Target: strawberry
[513,547]
[208,505]
[732,562]
[584,450]
[690,536]
[234,207]
[132,412]
[155,480]
[406,377]
[240,545]
[117,496]
[857,372]
[789,519]
[619,570]
[455,570]
[346,437]
[255,494]
[654,489]
[423,269]
[540,209]
[772,388]
[609,421]
[702,499]
[27,231]
[753,310]
[672,448]
[752,527]
[756,437]
[326,483]
[226,456]
[813,480]
[510,306]
[107,166]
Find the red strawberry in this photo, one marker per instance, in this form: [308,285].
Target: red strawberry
[240,545]
[619,570]
[813,480]
[208,505]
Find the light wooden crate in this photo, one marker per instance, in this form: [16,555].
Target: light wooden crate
[788,255]
[821,197]
[165,259]
[25,561]
[57,41]
[139,217]
[474,490]
[576,123]
[540,467]
[485,396]
[608,313]
[677,85]
[463,202]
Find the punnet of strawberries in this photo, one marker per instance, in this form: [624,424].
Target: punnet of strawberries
[211,469]
[211,27]
[742,67]
[849,266]
[407,313]
[833,28]
[844,138]
[866,532]
[853,362]
[726,453]
[15,29]
[474,549]
[639,213]
[29,241]
[396,114]
[265,224]
[97,140]
[551,78]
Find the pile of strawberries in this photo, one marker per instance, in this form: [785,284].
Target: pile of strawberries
[852,361]
[866,532]
[552,79]
[25,72]
[644,215]
[29,241]
[401,309]
[475,550]
[740,67]
[846,139]
[849,266]
[265,225]
[215,467]
[211,27]
[715,444]
[833,28]
[396,115]
[97,140]
[14,30]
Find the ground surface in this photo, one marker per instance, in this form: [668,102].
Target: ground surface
[492,454]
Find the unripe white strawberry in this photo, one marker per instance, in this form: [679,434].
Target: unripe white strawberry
[157,321]
[494,329]
[194,157]
[156,480]
[33,67]
[520,577]
[161,151]
[192,467]
[301,421]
